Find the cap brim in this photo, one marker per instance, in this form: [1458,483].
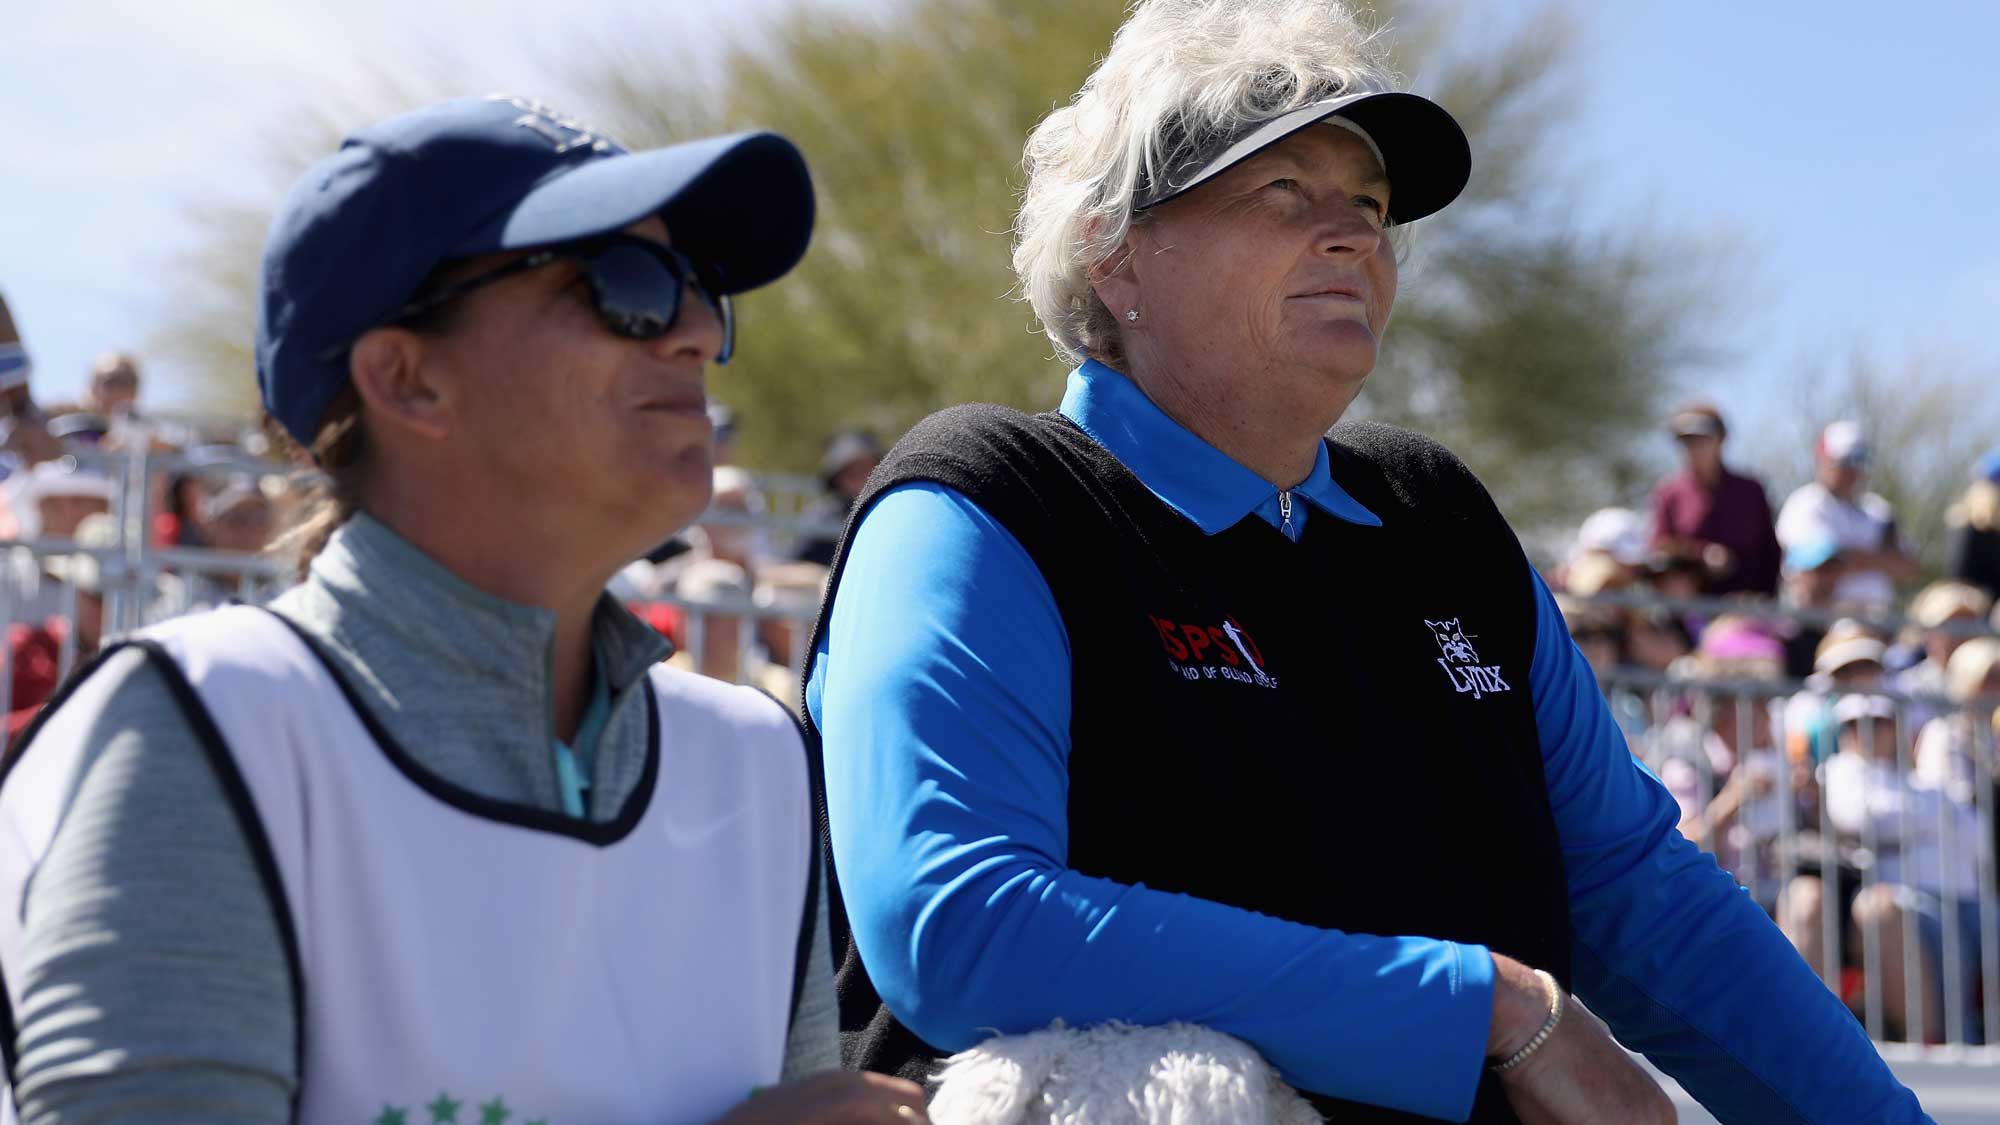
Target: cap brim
[1861,650]
[741,205]
[1424,152]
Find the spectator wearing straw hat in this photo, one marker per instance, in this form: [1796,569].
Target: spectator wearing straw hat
[1948,747]
[1850,658]
[1972,528]
[1615,534]
[113,391]
[1946,613]
[1834,505]
[1713,515]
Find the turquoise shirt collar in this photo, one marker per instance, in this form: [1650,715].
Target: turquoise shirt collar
[575,766]
[1189,475]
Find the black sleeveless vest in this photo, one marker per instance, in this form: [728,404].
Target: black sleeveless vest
[1337,731]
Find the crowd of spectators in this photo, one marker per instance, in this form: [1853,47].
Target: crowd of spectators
[1825,718]
[75,515]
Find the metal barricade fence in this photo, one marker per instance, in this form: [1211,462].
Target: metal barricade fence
[1877,858]
[141,583]
[744,616]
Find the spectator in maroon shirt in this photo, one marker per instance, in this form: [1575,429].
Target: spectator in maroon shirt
[1717,517]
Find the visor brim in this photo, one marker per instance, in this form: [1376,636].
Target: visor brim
[1425,154]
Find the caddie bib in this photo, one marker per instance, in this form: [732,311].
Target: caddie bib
[464,959]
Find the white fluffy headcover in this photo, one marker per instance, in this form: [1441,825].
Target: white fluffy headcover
[1115,1074]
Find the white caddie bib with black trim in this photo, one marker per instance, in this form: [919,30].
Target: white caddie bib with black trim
[461,959]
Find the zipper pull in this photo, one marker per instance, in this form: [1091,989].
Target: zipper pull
[1285,510]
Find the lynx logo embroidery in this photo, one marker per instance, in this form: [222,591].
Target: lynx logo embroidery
[1461,662]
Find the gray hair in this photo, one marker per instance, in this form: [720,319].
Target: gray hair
[1180,73]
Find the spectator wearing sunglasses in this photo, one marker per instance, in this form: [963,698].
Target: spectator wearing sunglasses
[438,833]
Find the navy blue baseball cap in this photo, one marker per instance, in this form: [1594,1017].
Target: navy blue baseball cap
[364,228]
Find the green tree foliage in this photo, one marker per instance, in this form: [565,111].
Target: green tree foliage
[1537,349]
[913,125]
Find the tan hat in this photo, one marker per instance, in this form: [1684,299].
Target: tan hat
[1939,602]
[1975,661]
[1593,573]
[1843,647]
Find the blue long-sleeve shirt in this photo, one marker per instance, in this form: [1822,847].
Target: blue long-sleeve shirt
[942,688]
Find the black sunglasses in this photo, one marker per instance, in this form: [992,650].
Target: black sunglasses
[635,286]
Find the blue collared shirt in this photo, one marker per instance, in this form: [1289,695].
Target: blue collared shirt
[942,687]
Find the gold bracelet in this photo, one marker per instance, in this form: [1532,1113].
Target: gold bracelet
[1556,1004]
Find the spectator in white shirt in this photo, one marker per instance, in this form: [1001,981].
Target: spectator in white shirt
[1834,506]
[1926,848]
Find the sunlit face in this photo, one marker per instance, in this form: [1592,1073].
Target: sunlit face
[115,391]
[1940,643]
[1701,451]
[1840,478]
[598,429]
[1858,675]
[1278,268]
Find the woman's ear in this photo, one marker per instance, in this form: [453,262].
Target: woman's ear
[1115,279]
[400,390]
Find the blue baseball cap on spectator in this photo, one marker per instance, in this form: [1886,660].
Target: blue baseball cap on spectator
[1811,555]
[1988,467]
[364,228]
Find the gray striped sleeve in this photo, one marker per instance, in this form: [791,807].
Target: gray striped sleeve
[154,982]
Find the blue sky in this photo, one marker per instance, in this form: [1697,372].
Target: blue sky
[1846,153]
[1845,160]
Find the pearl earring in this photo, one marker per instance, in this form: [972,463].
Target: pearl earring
[1132,314]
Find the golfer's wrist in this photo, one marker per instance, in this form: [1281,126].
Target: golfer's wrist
[1520,1007]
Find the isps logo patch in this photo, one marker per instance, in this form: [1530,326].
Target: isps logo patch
[1461,663]
[1213,652]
